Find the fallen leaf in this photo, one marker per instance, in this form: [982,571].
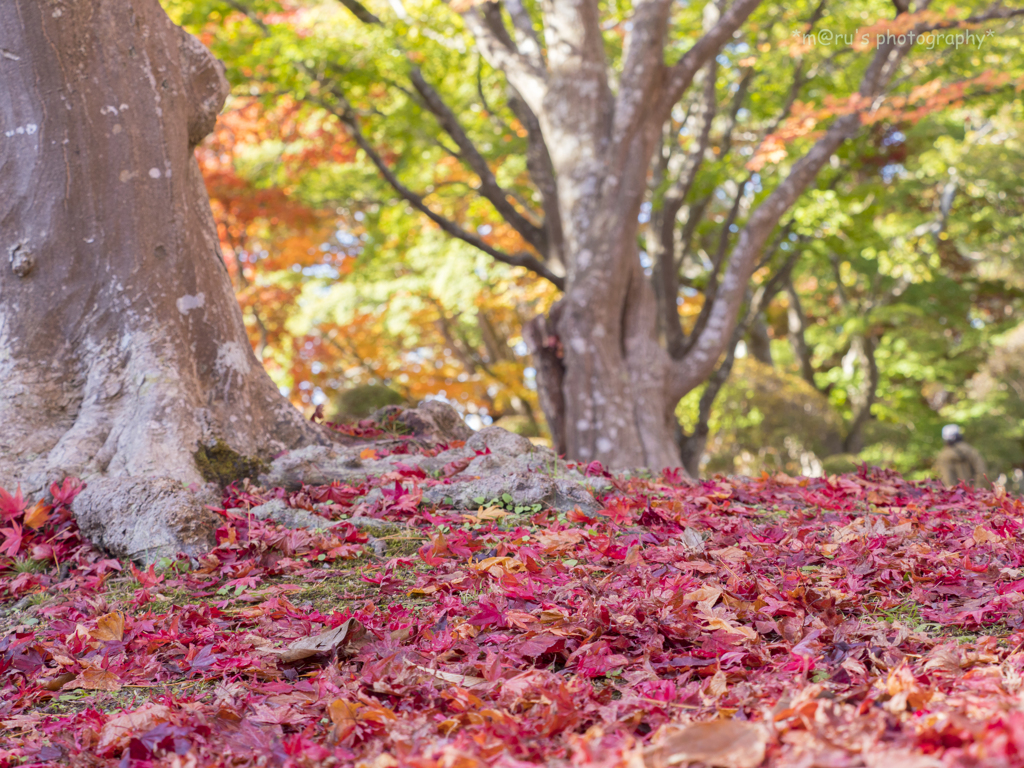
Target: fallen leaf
[499,566]
[693,542]
[109,627]
[350,636]
[58,682]
[95,679]
[981,535]
[36,517]
[718,743]
[465,681]
[120,728]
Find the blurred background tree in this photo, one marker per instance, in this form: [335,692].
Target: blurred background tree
[884,305]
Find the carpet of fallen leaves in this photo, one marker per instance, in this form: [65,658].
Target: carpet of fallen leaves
[858,620]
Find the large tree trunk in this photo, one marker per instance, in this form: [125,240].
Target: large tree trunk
[618,405]
[122,348]
[617,384]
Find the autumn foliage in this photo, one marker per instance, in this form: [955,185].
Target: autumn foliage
[849,620]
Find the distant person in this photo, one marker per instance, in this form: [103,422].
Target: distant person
[959,460]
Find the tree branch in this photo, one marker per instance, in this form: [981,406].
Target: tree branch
[666,288]
[642,68]
[489,186]
[700,361]
[526,34]
[500,51]
[542,173]
[349,119]
[361,12]
[681,74]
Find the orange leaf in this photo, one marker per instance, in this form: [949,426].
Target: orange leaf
[119,729]
[721,743]
[109,627]
[368,453]
[95,679]
[36,517]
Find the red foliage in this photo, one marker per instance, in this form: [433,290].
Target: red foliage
[860,619]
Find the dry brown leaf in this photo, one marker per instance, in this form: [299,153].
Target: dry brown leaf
[945,658]
[733,554]
[109,627]
[984,536]
[706,596]
[693,542]
[718,684]
[350,636]
[451,677]
[383,760]
[499,566]
[120,728]
[58,682]
[95,679]
[716,622]
[346,715]
[719,743]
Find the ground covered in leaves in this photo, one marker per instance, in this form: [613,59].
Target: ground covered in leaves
[848,621]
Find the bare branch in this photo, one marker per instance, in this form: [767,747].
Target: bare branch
[468,152]
[797,322]
[349,119]
[489,186]
[667,287]
[717,261]
[526,35]
[361,12]
[542,173]
[491,113]
[249,14]
[681,74]
[701,359]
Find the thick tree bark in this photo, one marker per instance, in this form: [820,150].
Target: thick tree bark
[122,348]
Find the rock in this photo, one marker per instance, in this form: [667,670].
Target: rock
[278,511]
[146,519]
[429,423]
[436,421]
[519,425]
[500,441]
[322,464]
[281,513]
[530,474]
[525,488]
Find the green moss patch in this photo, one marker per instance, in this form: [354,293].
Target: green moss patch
[219,463]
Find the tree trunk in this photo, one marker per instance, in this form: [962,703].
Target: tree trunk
[862,348]
[618,405]
[759,343]
[122,348]
[798,335]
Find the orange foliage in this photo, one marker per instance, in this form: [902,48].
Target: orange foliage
[268,236]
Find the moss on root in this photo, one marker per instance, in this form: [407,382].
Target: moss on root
[219,463]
